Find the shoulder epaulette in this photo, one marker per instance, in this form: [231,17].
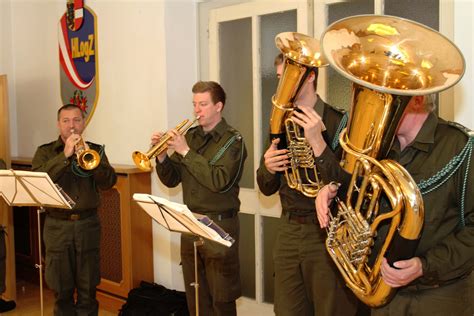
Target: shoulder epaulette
[340,110]
[236,133]
[48,144]
[462,128]
[94,145]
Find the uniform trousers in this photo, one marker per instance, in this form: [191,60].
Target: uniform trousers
[73,263]
[218,272]
[453,299]
[306,279]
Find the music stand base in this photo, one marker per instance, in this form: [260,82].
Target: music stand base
[195,284]
[40,265]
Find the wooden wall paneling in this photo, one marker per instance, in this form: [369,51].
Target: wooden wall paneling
[133,241]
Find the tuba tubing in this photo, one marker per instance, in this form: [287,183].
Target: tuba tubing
[302,54]
[389,60]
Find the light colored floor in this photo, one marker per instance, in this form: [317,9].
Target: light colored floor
[248,307]
[28,301]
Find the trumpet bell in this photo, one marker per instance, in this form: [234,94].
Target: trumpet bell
[88,159]
[141,160]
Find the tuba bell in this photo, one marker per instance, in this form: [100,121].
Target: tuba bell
[389,60]
[143,160]
[301,55]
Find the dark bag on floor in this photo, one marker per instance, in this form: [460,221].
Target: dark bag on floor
[154,299]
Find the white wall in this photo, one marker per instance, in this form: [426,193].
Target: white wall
[147,65]
[464,38]
[6,66]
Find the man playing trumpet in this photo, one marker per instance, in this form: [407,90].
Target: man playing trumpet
[72,238]
[208,161]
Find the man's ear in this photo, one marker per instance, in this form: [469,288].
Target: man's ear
[419,103]
[220,106]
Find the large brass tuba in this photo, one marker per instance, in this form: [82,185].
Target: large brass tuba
[302,55]
[389,60]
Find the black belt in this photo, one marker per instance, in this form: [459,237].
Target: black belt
[309,218]
[72,216]
[218,216]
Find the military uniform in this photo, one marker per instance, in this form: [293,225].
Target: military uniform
[306,279]
[446,247]
[72,237]
[210,176]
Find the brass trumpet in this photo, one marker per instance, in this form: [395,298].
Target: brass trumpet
[87,159]
[142,160]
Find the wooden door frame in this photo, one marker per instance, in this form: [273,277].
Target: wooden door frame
[6,216]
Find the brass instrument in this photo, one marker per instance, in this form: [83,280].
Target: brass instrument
[87,159]
[302,55]
[389,60]
[143,160]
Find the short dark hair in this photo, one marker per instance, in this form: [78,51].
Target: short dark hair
[278,60]
[69,106]
[215,89]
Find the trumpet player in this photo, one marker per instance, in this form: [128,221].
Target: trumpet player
[208,161]
[306,281]
[72,238]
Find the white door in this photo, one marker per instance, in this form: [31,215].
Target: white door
[241,56]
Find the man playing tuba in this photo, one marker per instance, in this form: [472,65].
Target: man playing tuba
[306,281]
[437,280]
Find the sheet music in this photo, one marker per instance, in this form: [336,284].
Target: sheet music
[177,217]
[27,188]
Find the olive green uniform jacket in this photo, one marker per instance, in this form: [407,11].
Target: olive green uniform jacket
[84,192]
[292,200]
[208,186]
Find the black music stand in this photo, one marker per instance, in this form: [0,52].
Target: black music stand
[177,217]
[26,188]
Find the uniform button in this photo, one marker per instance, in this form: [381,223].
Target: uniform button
[65,162]
[193,191]
[321,160]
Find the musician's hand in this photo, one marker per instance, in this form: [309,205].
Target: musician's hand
[323,201]
[405,271]
[276,159]
[178,142]
[155,138]
[313,127]
[70,145]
